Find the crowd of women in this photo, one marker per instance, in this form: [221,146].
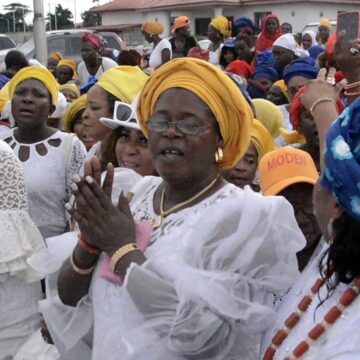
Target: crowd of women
[205,205]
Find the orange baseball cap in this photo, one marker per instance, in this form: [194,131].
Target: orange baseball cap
[283,167]
[180,22]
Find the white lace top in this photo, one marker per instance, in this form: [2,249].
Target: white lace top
[341,341]
[205,291]
[48,168]
[19,238]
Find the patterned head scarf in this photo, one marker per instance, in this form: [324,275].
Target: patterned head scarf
[94,39]
[342,160]
[215,89]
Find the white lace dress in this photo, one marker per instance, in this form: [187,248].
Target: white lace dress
[341,341]
[19,238]
[49,167]
[205,291]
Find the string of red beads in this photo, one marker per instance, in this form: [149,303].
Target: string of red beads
[330,318]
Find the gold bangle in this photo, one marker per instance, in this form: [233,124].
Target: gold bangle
[319,101]
[79,270]
[121,252]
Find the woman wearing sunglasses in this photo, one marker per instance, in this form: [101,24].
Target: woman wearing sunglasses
[121,83]
[199,282]
[126,146]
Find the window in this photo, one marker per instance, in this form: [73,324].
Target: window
[56,44]
[6,43]
[201,26]
[259,16]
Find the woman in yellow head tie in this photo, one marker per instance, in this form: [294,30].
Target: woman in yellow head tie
[50,157]
[65,71]
[218,30]
[162,51]
[121,83]
[244,172]
[202,285]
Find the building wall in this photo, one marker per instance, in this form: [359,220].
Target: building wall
[122,17]
[296,14]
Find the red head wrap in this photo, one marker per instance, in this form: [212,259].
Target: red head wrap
[94,39]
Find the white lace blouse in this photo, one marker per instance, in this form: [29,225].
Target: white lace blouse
[205,291]
[49,167]
[341,341]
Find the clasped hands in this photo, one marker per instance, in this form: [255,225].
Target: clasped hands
[105,226]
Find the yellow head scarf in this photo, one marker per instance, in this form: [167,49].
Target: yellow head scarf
[56,55]
[284,89]
[325,22]
[221,23]
[152,27]
[124,82]
[262,139]
[292,137]
[269,115]
[72,110]
[215,89]
[38,73]
[71,87]
[68,62]
[4,96]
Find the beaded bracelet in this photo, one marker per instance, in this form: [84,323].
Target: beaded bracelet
[121,252]
[85,246]
[79,270]
[319,101]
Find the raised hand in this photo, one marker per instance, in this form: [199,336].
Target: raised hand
[321,88]
[104,225]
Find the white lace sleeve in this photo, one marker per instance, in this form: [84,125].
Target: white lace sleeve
[19,235]
[217,301]
[76,160]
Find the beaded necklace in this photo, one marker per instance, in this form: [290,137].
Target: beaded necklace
[349,295]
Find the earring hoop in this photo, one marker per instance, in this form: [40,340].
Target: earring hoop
[219,155]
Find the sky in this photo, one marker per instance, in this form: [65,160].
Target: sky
[81,6]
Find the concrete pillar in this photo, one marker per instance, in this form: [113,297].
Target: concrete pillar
[218,11]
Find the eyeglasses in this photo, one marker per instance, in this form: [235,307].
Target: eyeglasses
[122,111]
[186,127]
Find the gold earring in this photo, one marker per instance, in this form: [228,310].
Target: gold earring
[219,155]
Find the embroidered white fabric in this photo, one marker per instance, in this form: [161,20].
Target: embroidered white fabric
[47,180]
[341,341]
[205,292]
[19,284]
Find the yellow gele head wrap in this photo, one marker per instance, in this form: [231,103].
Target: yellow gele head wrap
[72,110]
[215,89]
[37,73]
[71,87]
[124,82]
[283,87]
[4,96]
[221,23]
[325,22]
[56,55]
[152,27]
[68,62]
[269,115]
[292,137]
[262,139]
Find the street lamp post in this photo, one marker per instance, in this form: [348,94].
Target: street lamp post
[14,21]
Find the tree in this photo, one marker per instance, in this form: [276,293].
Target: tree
[90,19]
[21,11]
[63,19]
